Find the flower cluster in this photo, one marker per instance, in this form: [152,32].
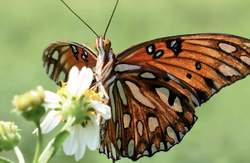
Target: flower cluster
[76,100]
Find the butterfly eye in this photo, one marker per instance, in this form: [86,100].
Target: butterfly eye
[106,44]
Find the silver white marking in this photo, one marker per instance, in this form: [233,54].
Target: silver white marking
[162,146]
[177,105]
[153,149]
[113,150]
[126,67]
[164,95]
[150,49]
[152,123]
[112,102]
[139,155]
[110,81]
[119,144]
[126,120]
[174,78]
[172,43]
[148,75]
[186,129]
[101,148]
[181,135]
[158,54]
[46,53]
[171,134]
[194,99]
[61,76]
[51,69]
[245,59]
[140,128]
[121,92]
[169,145]
[131,146]
[228,71]
[138,95]
[145,153]
[227,48]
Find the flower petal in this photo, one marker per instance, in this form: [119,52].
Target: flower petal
[84,80]
[81,134]
[73,78]
[92,133]
[51,97]
[52,119]
[70,145]
[104,110]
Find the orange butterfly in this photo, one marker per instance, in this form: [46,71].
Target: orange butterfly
[153,86]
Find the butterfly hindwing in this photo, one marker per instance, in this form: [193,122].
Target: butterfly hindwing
[158,84]
[60,56]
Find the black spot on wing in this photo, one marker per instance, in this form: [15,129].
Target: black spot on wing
[74,51]
[175,46]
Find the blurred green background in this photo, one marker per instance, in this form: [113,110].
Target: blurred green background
[27,27]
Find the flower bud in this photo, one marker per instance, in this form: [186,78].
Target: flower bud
[9,136]
[31,98]
[30,104]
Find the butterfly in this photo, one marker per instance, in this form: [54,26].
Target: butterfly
[154,86]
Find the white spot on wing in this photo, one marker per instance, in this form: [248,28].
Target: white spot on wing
[131,146]
[62,76]
[121,92]
[245,59]
[138,95]
[112,101]
[148,75]
[227,48]
[126,67]
[119,144]
[177,105]
[162,146]
[228,71]
[174,78]
[55,55]
[51,69]
[171,134]
[126,120]
[113,151]
[145,153]
[153,149]
[140,128]
[194,99]
[164,95]
[152,123]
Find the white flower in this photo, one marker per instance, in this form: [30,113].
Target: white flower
[76,100]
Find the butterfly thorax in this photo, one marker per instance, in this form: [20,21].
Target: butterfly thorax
[105,58]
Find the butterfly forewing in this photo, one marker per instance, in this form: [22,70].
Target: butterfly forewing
[60,56]
[158,84]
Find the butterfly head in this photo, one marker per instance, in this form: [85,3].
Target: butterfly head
[102,43]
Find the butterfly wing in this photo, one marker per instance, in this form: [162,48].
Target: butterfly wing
[60,56]
[158,84]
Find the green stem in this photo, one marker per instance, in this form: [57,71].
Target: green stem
[19,155]
[38,145]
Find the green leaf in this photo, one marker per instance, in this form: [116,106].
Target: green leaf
[53,146]
[4,160]
[91,109]
[86,104]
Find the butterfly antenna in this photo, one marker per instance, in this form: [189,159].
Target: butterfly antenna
[110,18]
[79,17]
